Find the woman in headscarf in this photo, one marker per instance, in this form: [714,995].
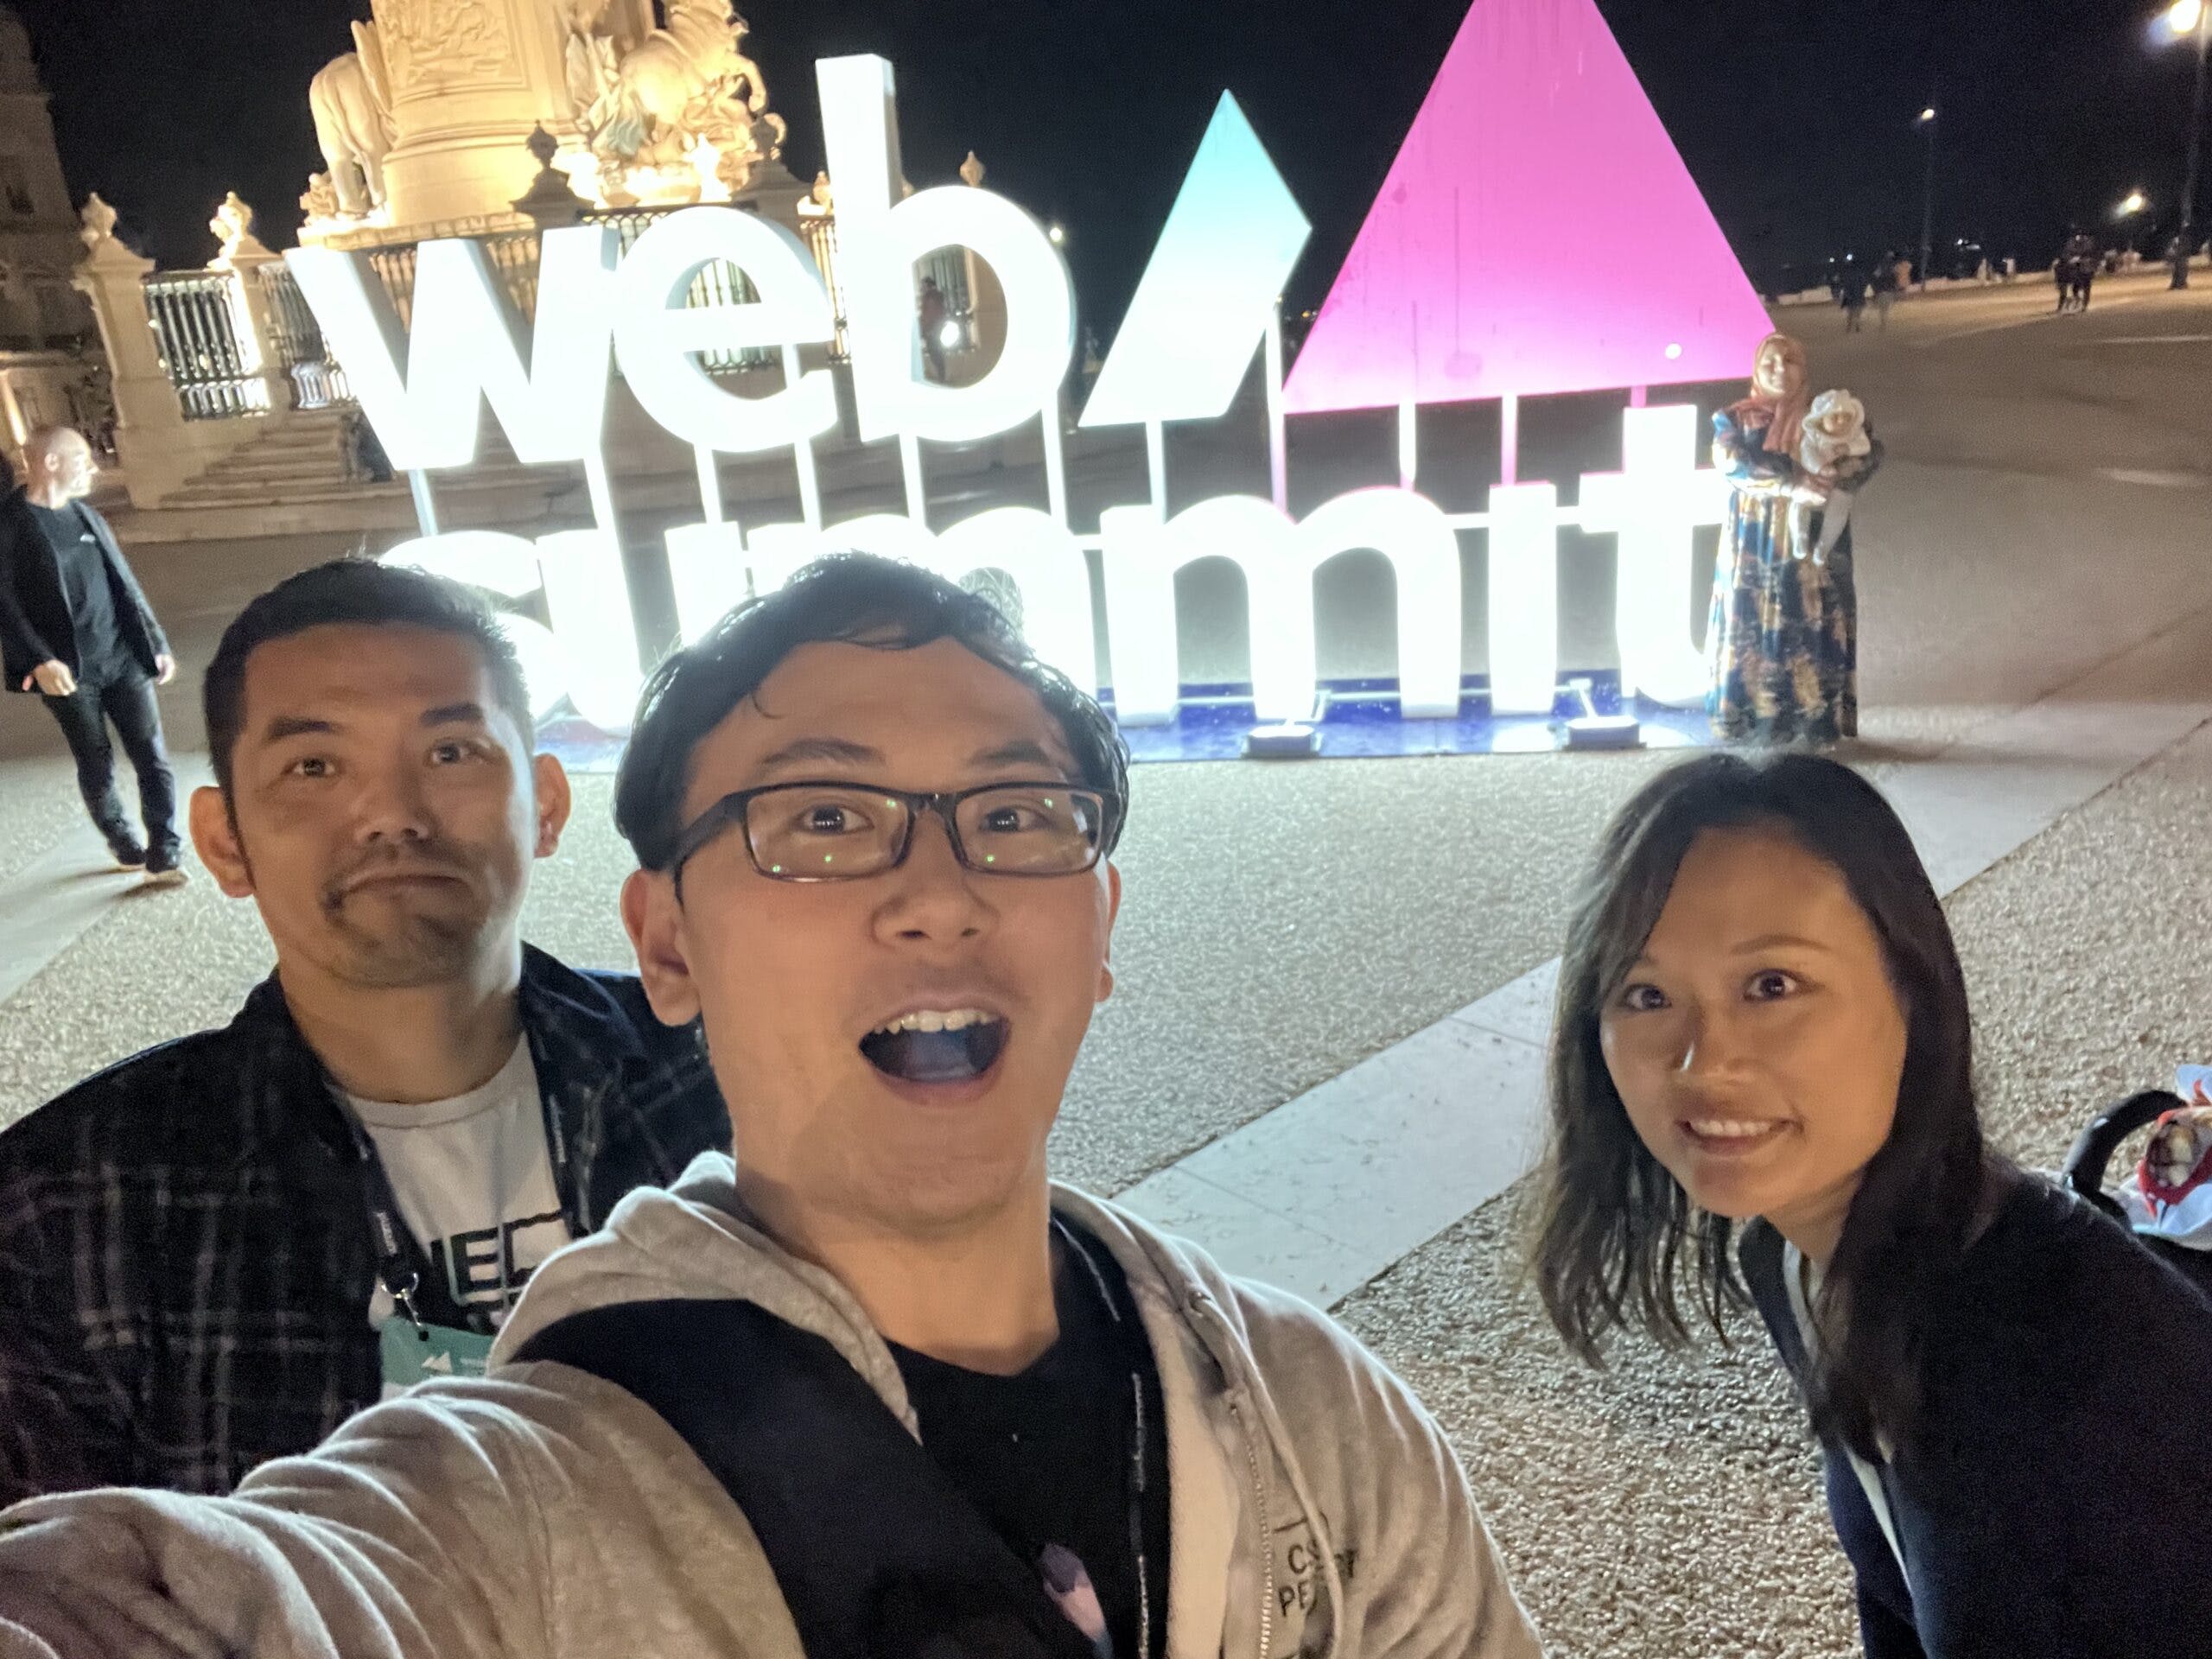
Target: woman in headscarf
[1783,640]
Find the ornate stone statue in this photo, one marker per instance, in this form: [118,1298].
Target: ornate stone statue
[590,49]
[99,220]
[234,227]
[683,85]
[320,203]
[352,100]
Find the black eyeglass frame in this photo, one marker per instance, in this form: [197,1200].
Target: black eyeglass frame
[732,808]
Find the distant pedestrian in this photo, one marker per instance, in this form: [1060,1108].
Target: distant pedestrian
[934,314]
[1885,291]
[365,457]
[2083,281]
[1854,299]
[76,628]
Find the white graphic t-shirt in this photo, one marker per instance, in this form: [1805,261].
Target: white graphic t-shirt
[475,1185]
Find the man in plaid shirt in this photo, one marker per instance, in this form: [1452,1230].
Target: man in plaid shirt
[213,1252]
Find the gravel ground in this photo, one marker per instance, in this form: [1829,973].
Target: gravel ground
[1671,1505]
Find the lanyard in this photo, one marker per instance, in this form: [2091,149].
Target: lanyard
[1137,1352]
[401,1264]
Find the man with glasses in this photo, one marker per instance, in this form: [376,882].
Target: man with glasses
[874,1385]
[75,628]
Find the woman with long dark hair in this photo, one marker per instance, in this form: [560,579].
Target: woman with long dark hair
[1762,1093]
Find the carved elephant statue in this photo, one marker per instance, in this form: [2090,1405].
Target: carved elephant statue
[353,123]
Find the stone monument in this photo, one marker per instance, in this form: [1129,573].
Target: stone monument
[425,125]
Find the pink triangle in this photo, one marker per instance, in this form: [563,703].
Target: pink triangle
[1538,233]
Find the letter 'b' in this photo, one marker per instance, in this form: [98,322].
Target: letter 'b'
[878,244]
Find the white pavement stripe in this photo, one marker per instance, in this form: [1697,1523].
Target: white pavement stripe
[51,903]
[2154,340]
[2051,315]
[1325,1193]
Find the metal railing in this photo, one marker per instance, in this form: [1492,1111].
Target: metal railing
[295,340]
[204,329]
[197,323]
[512,255]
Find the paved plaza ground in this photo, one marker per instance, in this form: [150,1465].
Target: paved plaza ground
[2036,626]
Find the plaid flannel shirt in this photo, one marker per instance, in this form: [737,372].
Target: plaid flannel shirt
[185,1261]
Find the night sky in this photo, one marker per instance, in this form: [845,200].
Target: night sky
[1796,117]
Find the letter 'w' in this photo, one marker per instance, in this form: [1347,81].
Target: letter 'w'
[466,347]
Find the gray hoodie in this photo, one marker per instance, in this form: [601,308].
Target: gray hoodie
[542,1513]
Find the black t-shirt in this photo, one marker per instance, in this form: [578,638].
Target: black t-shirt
[1047,1456]
[85,587]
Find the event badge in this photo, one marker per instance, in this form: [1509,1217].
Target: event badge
[415,1353]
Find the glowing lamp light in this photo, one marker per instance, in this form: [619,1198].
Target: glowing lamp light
[1928,115]
[1674,352]
[2134,203]
[2183,16]
[948,336]
[1058,235]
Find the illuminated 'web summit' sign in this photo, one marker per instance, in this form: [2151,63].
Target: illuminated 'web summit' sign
[1420,315]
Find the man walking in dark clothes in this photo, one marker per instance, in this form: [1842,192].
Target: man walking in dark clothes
[75,627]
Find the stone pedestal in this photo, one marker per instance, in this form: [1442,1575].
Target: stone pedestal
[157,447]
[256,329]
[469,80]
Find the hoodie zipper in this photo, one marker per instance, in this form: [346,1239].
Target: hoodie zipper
[1267,1529]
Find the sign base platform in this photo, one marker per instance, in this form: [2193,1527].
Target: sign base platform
[1359,721]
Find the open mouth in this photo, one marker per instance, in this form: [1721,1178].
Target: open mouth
[934,1045]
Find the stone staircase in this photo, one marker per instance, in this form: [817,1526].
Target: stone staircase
[294,478]
[300,459]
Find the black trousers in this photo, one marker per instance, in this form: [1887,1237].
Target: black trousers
[124,696]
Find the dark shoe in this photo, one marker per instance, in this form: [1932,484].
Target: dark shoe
[163,868]
[126,851]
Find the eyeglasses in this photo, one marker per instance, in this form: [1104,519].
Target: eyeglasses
[836,831]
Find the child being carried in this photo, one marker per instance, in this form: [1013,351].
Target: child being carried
[1835,431]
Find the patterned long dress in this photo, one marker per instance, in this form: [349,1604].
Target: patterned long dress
[1783,639]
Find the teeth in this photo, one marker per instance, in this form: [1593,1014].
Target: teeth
[937,1019]
[1721,1128]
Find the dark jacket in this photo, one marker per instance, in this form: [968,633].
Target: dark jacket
[2053,1500]
[186,1265]
[35,622]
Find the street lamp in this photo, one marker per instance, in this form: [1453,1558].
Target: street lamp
[1927,125]
[1057,234]
[2134,203]
[2186,20]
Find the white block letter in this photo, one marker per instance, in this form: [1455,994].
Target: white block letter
[877,246]
[655,332]
[467,345]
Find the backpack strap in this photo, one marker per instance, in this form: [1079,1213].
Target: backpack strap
[879,1555]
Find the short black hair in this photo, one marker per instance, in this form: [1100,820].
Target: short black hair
[355,592]
[847,599]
